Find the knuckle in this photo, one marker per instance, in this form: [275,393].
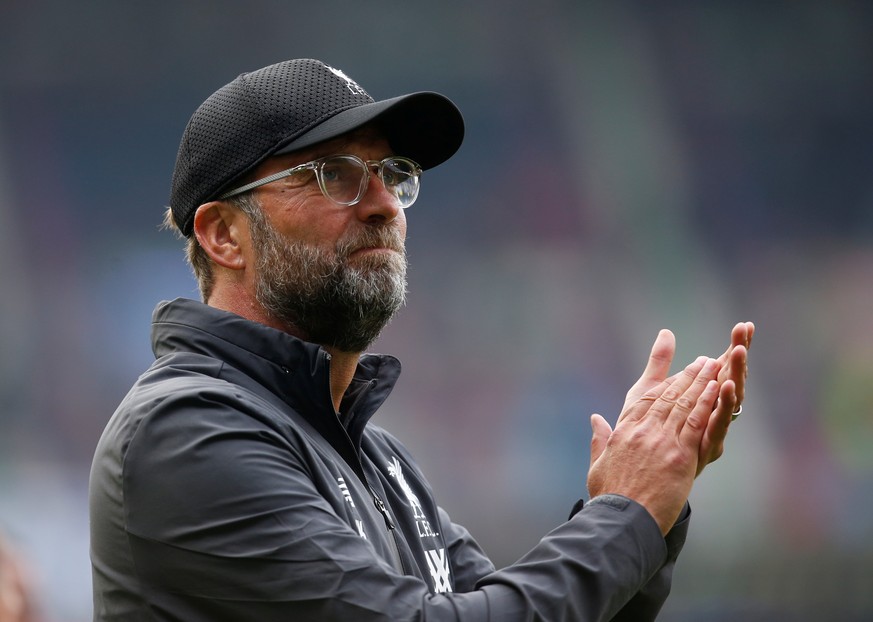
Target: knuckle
[633,439]
[695,423]
[671,395]
[685,402]
[649,396]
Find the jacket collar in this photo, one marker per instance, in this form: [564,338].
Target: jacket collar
[296,371]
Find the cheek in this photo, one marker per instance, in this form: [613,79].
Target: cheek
[401,223]
[310,222]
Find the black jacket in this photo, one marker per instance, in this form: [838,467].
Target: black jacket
[225,487]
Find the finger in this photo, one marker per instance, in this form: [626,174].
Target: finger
[600,432]
[656,370]
[695,424]
[728,400]
[686,403]
[750,332]
[737,372]
[728,395]
[672,392]
[736,355]
[734,364]
[735,361]
[741,335]
[660,358]
[638,408]
[712,443]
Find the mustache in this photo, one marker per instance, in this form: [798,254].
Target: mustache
[373,236]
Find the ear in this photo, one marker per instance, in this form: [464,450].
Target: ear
[223,233]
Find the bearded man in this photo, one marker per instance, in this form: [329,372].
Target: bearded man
[241,477]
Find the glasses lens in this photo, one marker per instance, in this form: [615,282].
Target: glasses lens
[342,178]
[401,178]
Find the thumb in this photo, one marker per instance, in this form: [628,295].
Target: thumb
[600,432]
[660,358]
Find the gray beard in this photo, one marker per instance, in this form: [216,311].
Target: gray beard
[322,296]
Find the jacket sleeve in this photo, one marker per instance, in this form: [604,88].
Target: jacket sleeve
[647,603]
[224,522]
[470,564]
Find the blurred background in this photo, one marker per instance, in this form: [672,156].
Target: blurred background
[628,166]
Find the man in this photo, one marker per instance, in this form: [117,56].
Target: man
[241,479]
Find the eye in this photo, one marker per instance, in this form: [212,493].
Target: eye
[395,172]
[389,177]
[339,171]
[330,172]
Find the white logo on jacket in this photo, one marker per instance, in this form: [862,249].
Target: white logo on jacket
[347,495]
[395,470]
[438,563]
[344,488]
[437,560]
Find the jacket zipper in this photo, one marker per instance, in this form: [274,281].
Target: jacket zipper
[392,540]
[358,467]
[380,505]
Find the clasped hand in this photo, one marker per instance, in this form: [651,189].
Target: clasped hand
[670,427]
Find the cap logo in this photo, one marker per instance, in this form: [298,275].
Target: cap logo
[353,86]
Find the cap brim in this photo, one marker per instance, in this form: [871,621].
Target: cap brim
[426,127]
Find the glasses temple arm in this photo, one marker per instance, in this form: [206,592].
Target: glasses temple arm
[266,180]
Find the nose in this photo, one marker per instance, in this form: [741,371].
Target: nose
[377,204]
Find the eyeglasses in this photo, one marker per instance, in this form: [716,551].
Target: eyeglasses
[344,178]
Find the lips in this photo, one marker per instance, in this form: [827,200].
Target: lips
[373,240]
[370,250]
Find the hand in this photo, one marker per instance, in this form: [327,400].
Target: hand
[652,455]
[731,379]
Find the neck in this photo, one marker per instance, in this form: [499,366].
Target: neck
[342,364]
[342,370]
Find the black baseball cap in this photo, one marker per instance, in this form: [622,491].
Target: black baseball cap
[289,106]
